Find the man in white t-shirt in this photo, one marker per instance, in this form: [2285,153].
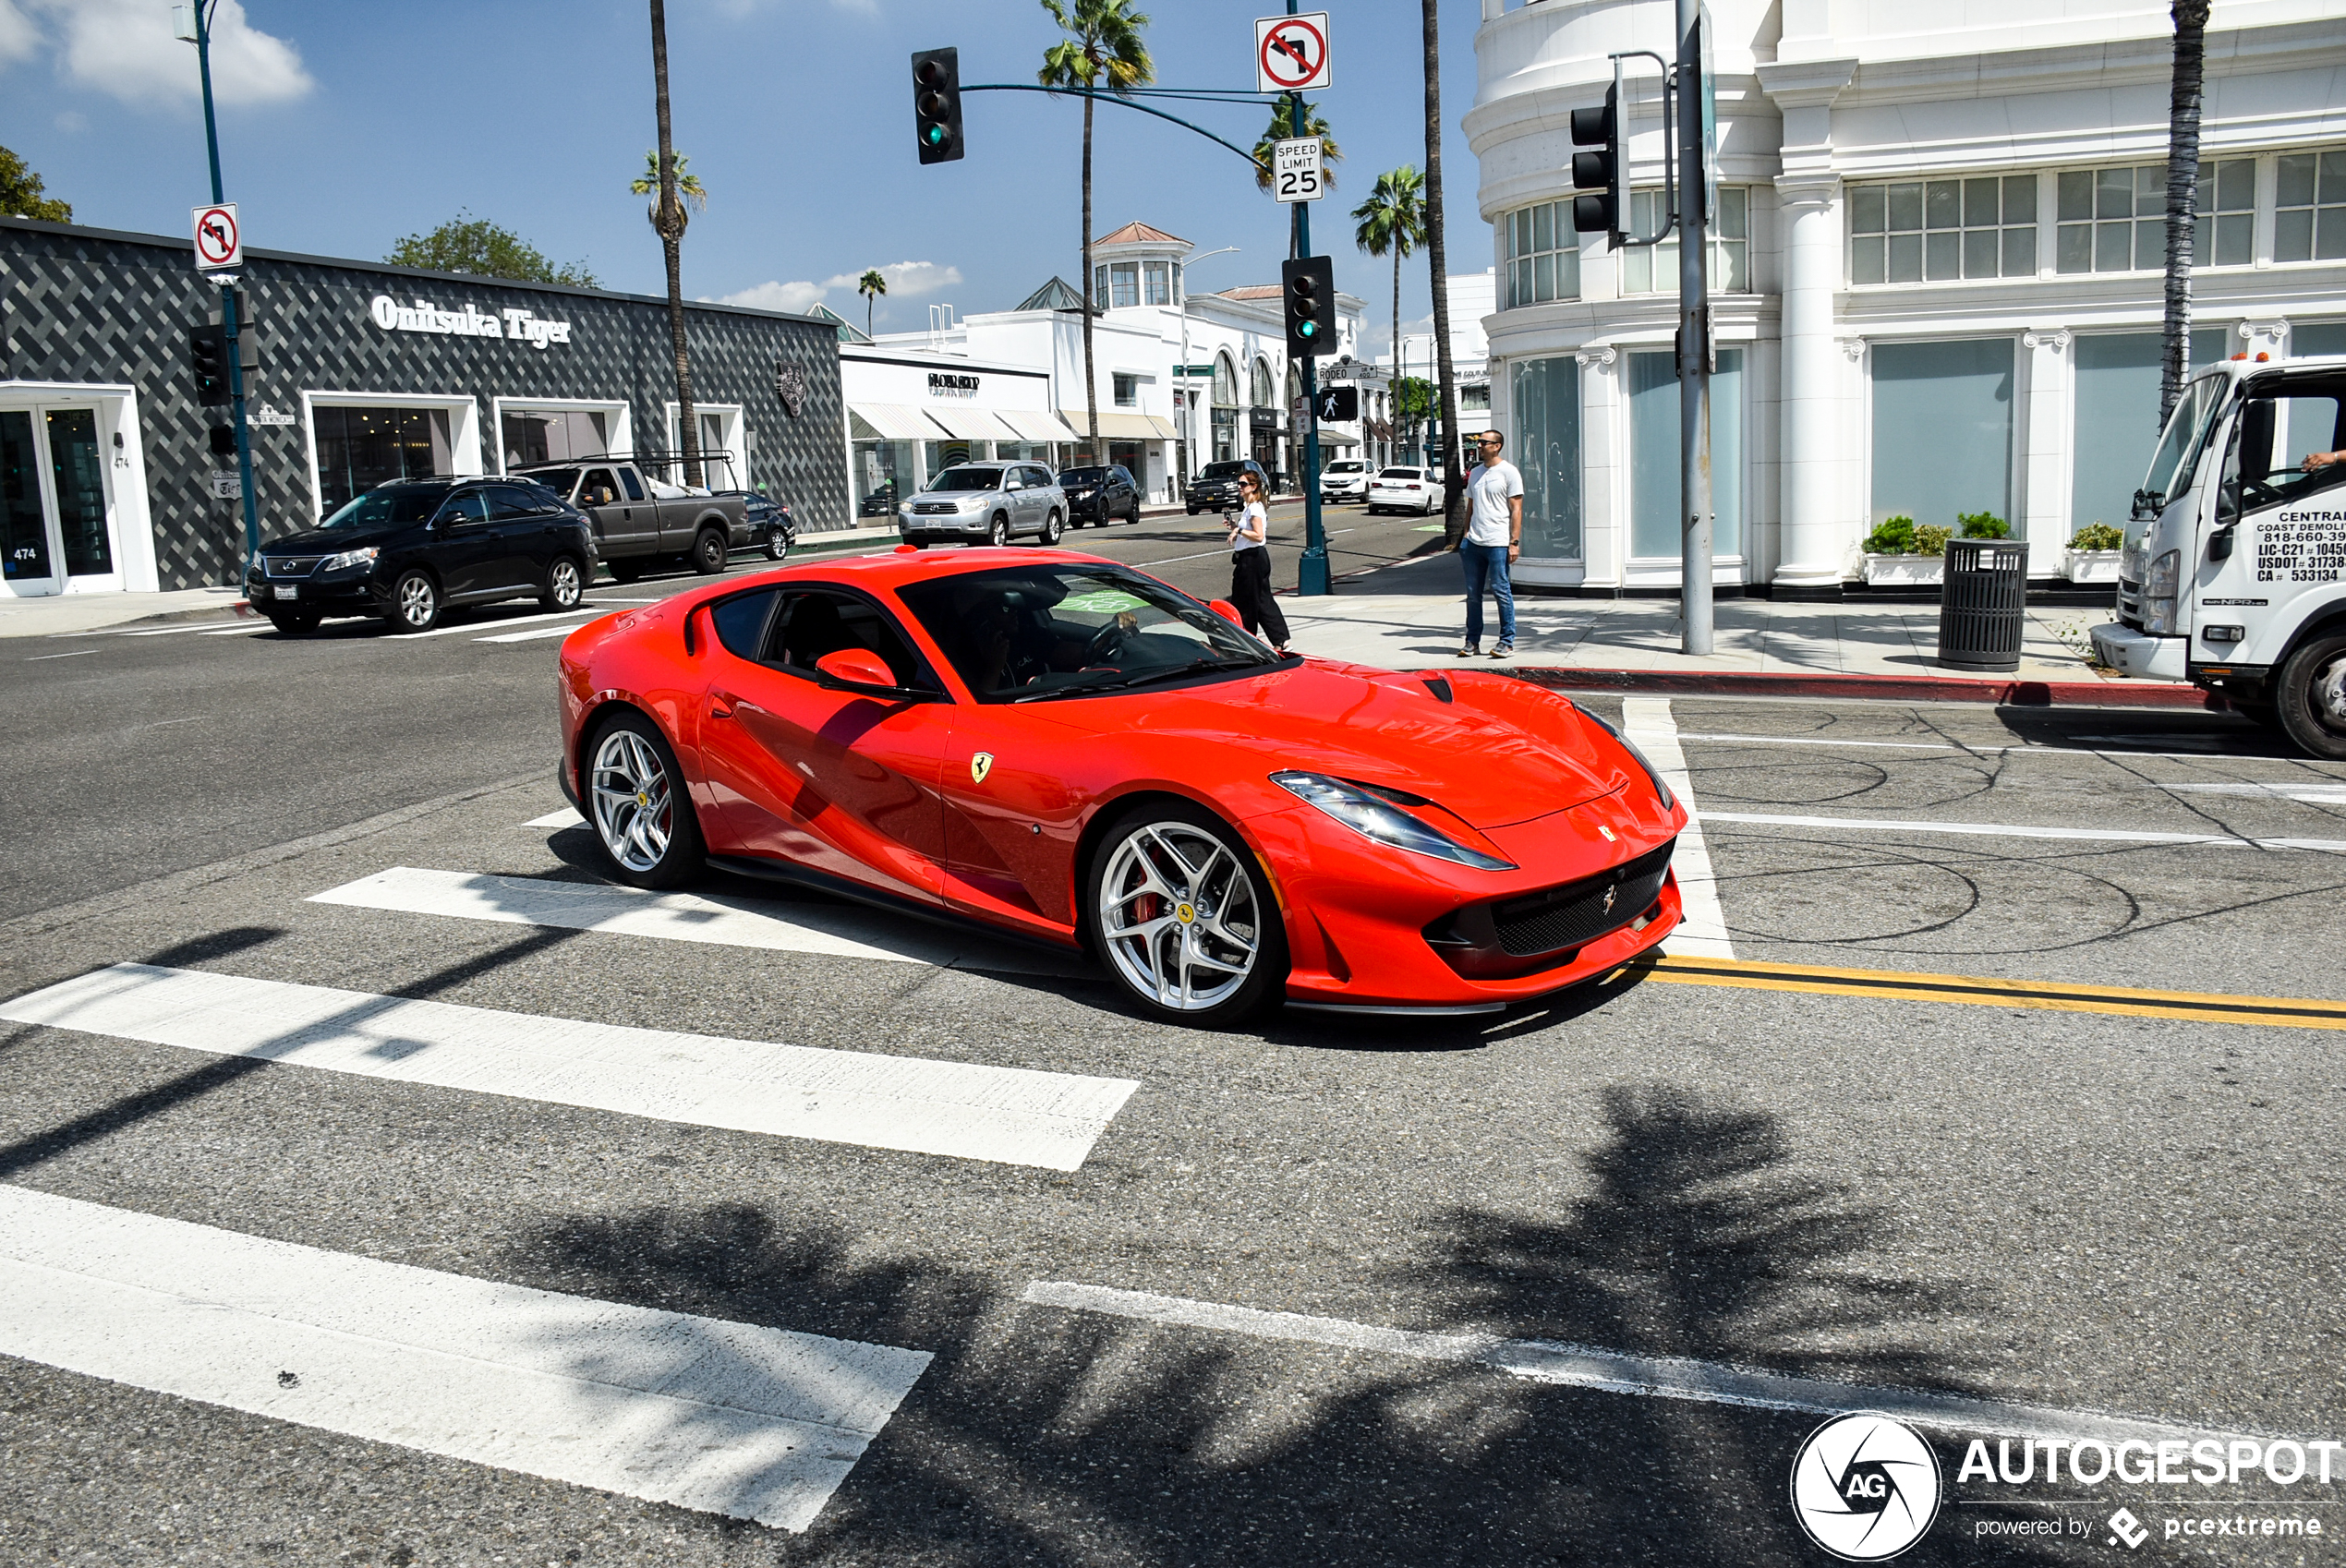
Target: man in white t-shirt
[1493,539]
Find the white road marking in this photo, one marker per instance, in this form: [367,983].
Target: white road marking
[529,637]
[76,653]
[731,1419]
[966,1110]
[1994,830]
[1609,1371]
[838,930]
[240,631]
[566,817]
[2311,793]
[176,631]
[1703,932]
[1834,742]
[485,625]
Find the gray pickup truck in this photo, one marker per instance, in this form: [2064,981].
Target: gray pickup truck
[640,525]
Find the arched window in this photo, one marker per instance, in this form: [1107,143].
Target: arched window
[1225,382]
[1294,383]
[1264,396]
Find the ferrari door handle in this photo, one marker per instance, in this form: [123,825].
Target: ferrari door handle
[721,706]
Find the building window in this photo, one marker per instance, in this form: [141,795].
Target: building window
[1542,253]
[1128,391]
[553,435]
[1650,269]
[1264,397]
[2309,219]
[1117,284]
[1156,282]
[1475,398]
[2115,220]
[1546,450]
[1654,529]
[2116,401]
[1933,231]
[1943,431]
[360,448]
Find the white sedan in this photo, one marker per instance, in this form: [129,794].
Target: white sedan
[1405,490]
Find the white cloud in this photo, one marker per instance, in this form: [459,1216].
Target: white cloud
[19,38]
[73,120]
[125,48]
[906,280]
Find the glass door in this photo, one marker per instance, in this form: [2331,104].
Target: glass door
[78,485]
[27,560]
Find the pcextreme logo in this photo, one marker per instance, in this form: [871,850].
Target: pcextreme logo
[1865,1486]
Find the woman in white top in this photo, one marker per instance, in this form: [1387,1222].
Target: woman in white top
[1250,566]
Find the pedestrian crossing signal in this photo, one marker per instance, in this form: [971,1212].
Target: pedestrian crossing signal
[1338,406]
[936,105]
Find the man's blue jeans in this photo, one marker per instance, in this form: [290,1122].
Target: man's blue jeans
[1486,567]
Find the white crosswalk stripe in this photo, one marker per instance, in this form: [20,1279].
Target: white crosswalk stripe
[566,817]
[967,1109]
[754,1423]
[1703,931]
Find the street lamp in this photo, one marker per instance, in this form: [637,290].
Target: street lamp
[1189,397]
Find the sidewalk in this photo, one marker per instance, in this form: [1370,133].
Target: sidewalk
[59,615]
[1412,615]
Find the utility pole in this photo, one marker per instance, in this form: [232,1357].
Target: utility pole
[1694,334]
[1312,576]
[200,15]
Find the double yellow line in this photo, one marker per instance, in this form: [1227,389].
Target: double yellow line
[2287,1012]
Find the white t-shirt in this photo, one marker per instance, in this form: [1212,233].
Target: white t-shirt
[1253,517]
[1488,487]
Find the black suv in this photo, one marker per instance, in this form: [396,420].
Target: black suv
[1100,496]
[1215,489]
[408,549]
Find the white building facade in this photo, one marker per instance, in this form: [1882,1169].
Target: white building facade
[1936,272]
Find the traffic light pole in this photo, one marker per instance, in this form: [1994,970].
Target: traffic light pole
[1312,576]
[228,303]
[1694,341]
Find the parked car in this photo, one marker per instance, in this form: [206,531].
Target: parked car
[408,549]
[771,527]
[1405,490]
[1346,478]
[993,501]
[1215,489]
[641,522]
[1100,496]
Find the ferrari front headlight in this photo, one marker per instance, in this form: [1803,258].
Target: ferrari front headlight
[1383,821]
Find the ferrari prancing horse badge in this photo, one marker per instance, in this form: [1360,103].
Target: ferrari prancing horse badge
[980,766]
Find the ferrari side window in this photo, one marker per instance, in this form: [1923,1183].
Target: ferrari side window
[814,622]
[741,622]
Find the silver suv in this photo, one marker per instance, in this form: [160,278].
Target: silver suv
[993,501]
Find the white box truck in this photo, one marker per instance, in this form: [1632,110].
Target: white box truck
[2234,576]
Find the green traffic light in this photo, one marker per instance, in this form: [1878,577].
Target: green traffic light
[1307,329]
[936,134]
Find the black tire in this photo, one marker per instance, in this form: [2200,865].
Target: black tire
[1193,511]
[709,551]
[650,835]
[295,623]
[1134,516]
[997,532]
[1052,530]
[565,585]
[2311,695]
[625,570]
[415,602]
[777,544]
[1164,840]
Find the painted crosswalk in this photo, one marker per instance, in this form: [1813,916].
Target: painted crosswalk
[966,1110]
[732,1418]
[1703,931]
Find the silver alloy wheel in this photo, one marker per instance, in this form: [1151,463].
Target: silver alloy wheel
[633,805]
[566,588]
[2329,694]
[1000,533]
[1178,917]
[1051,529]
[415,602]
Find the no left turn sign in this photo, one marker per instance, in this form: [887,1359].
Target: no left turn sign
[220,244]
[1291,53]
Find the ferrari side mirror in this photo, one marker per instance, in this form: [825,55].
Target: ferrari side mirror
[1227,611]
[858,666]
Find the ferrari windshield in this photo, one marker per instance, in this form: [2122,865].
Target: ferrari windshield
[1023,634]
[389,506]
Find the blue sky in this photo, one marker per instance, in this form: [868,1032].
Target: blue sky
[347,126]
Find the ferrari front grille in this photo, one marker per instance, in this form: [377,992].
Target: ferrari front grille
[1580,912]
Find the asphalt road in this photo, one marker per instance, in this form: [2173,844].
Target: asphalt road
[2078,1211]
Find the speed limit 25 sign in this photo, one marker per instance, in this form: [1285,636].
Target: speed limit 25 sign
[1294,169]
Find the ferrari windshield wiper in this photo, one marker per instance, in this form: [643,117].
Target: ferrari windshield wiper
[1144,677]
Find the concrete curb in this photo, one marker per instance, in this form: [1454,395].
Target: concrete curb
[2003,692]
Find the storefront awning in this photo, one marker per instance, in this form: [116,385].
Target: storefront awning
[1121,426]
[893,422]
[972,424]
[1035,424]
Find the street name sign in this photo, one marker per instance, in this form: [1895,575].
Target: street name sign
[1294,169]
[219,243]
[1291,53]
[226,485]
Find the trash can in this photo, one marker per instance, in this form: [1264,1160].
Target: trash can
[1981,604]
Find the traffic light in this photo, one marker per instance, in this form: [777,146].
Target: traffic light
[1340,405]
[1599,171]
[207,358]
[224,441]
[937,103]
[1308,285]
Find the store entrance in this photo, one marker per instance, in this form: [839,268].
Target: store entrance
[56,525]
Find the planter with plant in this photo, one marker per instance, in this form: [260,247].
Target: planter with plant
[1900,555]
[2093,554]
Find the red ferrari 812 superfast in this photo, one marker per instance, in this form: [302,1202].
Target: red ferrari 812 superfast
[1061,748]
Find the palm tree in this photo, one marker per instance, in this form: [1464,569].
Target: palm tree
[675,188]
[872,283]
[1103,43]
[1282,116]
[1453,509]
[1393,219]
[2182,188]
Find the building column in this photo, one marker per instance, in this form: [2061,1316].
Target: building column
[1813,535]
[2050,391]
